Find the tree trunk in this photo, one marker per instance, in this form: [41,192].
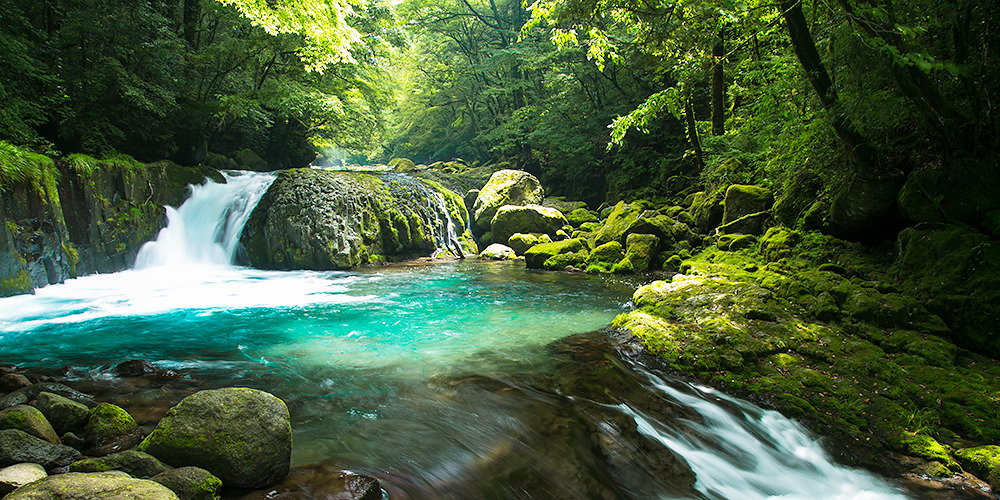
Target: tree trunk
[718,87]
[866,158]
[692,132]
[192,16]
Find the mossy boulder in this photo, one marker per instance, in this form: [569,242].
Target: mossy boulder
[579,216]
[864,208]
[190,483]
[706,209]
[497,251]
[734,242]
[249,160]
[18,475]
[63,413]
[30,420]
[135,463]
[402,164]
[322,220]
[109,429]
[778,242]
[961,191]
[640,252]
[603,258]
[557,255]
[617,224]
[745,207]
[512,219]
[521,242]
[983,461]
[505,187]
[242,436]
[17,447]
[928,448]
[93,486]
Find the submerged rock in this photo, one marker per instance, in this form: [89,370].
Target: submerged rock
[505,187]
[93,486]
[242,436]
[319,481]
[134,368]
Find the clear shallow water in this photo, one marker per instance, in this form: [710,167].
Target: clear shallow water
[452,380]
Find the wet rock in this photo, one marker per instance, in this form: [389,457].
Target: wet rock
[64,414]
[134,368]
[512,219]
[497,251]
[110,428]
[706,209]
[134,463]
[242,436]
[11,382]
[190,483]
[983,461]
[93,486]
[16,476]
[20,447]
[505,187]
[521,242]
[317,481]
[248,160]
[30,420]
[26,394]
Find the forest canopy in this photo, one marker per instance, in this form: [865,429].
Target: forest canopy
[608,100]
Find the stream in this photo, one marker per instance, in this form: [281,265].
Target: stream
[460,379]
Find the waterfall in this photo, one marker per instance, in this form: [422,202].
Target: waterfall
[434,209]
[205,229]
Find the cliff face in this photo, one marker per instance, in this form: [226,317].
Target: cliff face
[77,220]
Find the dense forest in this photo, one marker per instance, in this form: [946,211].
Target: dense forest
[602,100]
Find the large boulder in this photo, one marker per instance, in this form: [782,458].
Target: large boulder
[497,251]
[190,483]
[93,486]
[16,476]
[512,219]
[109,429]
[640,252]
[17,447]
[604,257]
[64,414]
[745,209]
[865,210]
[617,224]
[505,187]
[521,242]
[557,255]
[242,436]
[135,463]
[30,420]
[322,220]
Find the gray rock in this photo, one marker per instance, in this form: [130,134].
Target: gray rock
[30,420]
[497,251]
[18,475]
[242,436]
[190,483]
[93,486]
[505,187]
[64,414]
[110,429]
[134,463]
[20,447]
[26,394]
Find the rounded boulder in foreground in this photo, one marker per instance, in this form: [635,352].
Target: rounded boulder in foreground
[242,436]
[97,486]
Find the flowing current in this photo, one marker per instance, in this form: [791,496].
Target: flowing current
[452,380]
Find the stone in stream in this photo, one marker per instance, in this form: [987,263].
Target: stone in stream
[134,368]
[505,187]
[112,485]
[30,420]
[190,483]
[64,414]
[19,447]
[15,476]
[497,251]
[134,463]
[512,219]
[109,429]
[26,394]
[11,382]
[243,436]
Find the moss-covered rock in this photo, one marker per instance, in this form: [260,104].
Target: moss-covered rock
[512,219]
[734,242]
[962,191]
[93,486]
[706,209]
[18,447]
[640,252]
[617,224]
[521,242]
[134,463]
[30,420]
[864,208]
[497,251]
[18,475]
[249,160]
[928,448]
[778,243]
[190,483]
[64,414]
[242,436]
[402,164]
[983,461]
[110,428]
[603,258]
[744,206]
[505,187]
[580,216]
[557,255]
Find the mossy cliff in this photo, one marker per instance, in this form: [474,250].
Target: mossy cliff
[847,338]
[70,217]
[319,219]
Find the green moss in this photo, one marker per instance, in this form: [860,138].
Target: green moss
[19,282]
[617,223]
[604,257]
[928,448]
[544,256]
[983,461]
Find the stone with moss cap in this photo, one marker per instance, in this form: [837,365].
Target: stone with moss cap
[242,436]
[135,463]
[30,420]
[640,253]
[93,486]
[521,242]
[505,187]
[109,429]
[512,219]
[497,251]
[63,413]
[983,461]
[190,483]
[557,255]
[604,257]
[741,203]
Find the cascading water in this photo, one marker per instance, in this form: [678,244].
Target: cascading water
[433,208]
[205,229]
